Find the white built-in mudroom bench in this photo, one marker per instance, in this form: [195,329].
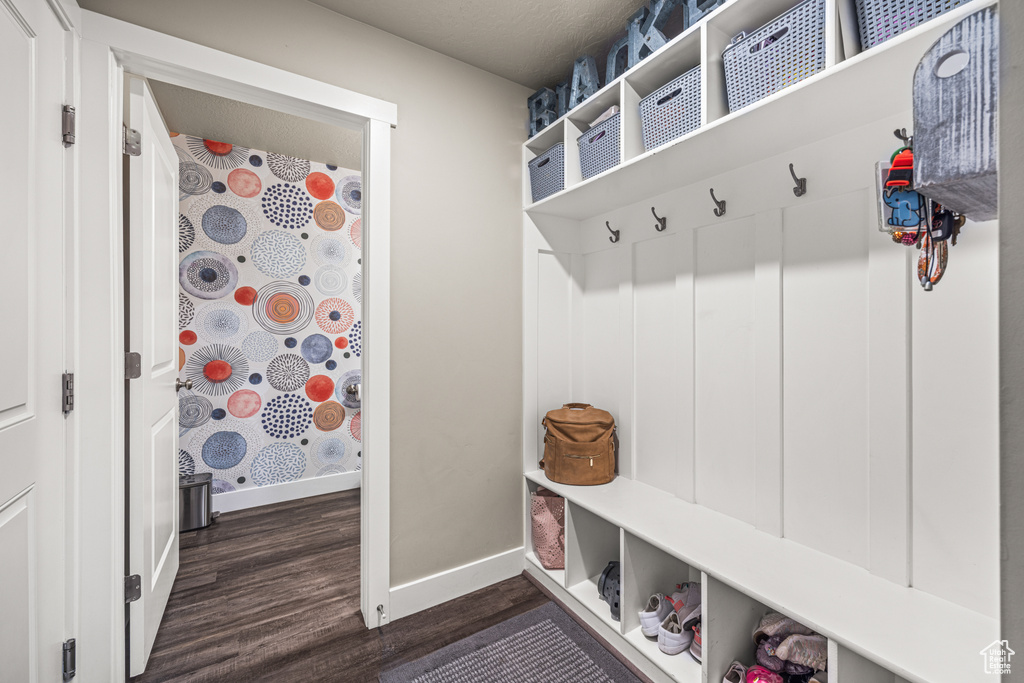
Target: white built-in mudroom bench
[801,426]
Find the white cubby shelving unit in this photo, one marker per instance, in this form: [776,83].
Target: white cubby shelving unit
[780,383]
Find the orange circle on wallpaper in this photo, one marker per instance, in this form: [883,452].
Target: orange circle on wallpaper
[244,183]
[181,358]
[217,370]
[329,416]
[244,403]
[245,295]
[218,148]
[319,388]
[341,342]
[282,307]
[187,337]
[320,185]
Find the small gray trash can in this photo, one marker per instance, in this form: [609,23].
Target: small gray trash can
[196,501]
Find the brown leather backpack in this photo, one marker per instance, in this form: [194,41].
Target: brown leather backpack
[579,446]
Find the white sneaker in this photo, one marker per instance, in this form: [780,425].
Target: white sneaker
[672,637]
[658,607]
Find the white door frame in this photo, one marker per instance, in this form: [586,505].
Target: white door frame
[108,48]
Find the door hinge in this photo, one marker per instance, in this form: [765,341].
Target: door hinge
[132,141]
[67,122]
[132,365]
[67,392]
[132,588]
[69,659]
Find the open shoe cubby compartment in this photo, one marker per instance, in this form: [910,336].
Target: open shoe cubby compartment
[590,544]
[556,575]
[648,570]
[729,615]
[730,618]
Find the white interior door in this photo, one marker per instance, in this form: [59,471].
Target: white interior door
[151,243]
[32,311]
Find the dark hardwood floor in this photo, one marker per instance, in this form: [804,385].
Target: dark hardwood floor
[272,594]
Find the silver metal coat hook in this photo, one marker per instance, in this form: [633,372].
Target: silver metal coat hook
[719,205]
[615,233]
[662,222]
[901,133]
[801,183]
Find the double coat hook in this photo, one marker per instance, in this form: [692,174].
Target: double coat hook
[801,183]
[615,233]
[719,205]
[901,133]
[662,222]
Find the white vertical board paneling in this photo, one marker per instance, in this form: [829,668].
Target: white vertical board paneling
[662,458]
[888,404]
[554,335]
[600,346]
[825,383]
[726,468]
[768,371]
[956,427]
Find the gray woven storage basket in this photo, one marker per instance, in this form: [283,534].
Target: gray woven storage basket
[672,110]
[777,55]
[599,147]
[547,172]
[880,20]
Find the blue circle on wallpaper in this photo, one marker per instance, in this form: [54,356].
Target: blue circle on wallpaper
[303,280]
[278,254]
[286,416]
[207,275]
[218,187]
[316,348]
[256,160]
[255,378]
[224,225]
[329,451]
[330,365]
[259,346]
[278,463]
[290,342]
[349,378]
[224,450]
[218,414]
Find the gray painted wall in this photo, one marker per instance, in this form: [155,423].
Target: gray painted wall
[456,319]
[1011,326]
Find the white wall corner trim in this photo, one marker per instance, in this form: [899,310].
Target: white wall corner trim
[243,499]
[421,594]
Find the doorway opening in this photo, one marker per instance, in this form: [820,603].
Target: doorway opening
[243,226]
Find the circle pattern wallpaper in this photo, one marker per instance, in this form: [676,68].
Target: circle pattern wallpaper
[269,315]
[287,206]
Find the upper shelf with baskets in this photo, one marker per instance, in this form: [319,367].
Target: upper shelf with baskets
[707,112]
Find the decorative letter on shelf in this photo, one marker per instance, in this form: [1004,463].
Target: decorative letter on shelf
[956,96]
[695,10]
[645,26]
[584,80]
[562,96]
[618,59]
[543,109]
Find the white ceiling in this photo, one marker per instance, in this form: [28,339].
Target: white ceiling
[216,118]
[531,42]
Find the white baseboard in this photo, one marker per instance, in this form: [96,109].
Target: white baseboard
[418,595]
[292,490]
